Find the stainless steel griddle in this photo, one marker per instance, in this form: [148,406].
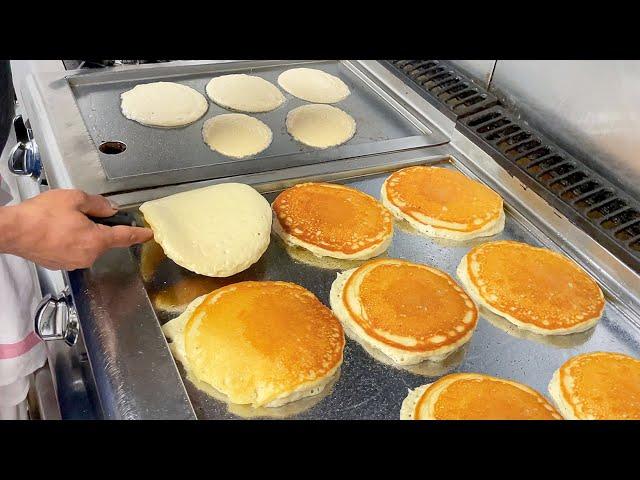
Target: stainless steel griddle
[80,104]
[132,369]
[369,389]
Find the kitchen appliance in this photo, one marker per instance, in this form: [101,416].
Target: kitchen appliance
[408,112]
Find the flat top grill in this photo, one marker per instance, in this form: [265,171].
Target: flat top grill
[154,150]
[369,389]
[135,374]
[105,152]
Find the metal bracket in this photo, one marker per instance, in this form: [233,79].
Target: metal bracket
[56,318]
[24,157]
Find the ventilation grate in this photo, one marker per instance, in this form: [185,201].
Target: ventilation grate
[585,197]
[449,91]
[591,201]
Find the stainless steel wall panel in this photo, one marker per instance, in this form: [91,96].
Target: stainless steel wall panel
[590,108]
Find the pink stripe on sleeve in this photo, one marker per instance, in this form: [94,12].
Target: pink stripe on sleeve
[12,350]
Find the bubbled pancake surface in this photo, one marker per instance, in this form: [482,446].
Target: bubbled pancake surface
[320,126]
[245,93]
[313,85]
[408,307]
[163,104]
[257,342]
[332,220]
[600,386]
[443,199]
[471,396]
[535,288]
[236,135]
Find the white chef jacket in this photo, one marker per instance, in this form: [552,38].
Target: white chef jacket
[21,351]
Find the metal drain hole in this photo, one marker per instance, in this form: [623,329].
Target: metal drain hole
[112,148]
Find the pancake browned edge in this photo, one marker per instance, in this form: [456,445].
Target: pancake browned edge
[563,404]
[439,228]
[430,393]
[377,248]
[572,405]
[474,292]
[401,357]
[320,252]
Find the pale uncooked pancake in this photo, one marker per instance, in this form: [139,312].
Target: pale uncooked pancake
[472,396]
[444,203]
[163,104]
[216,231]
[536,289]
[245,93]
[236,135]
[598,386]
[320,126]
[333,221]
[410,312]
[259,343]
[313,85]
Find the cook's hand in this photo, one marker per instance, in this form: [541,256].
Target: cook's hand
[52,230]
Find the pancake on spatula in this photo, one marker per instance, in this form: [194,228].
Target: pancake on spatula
[259,343]
[534,288]
[408,311]
[333,221]
[472,396]
[215,231]
[443,203]
[598,386]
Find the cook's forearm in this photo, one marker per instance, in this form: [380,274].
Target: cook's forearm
[9,229]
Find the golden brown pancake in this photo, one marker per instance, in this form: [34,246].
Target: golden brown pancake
[444,203]
[598,386]
[472,396]
[534,288]
[263,343]
[410,312]
[332,220]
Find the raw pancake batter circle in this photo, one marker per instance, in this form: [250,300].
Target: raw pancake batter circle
[236,135]
[163,104]
[320,126]
[245,93]
[313,85]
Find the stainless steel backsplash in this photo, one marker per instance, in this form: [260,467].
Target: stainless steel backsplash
[591,108]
